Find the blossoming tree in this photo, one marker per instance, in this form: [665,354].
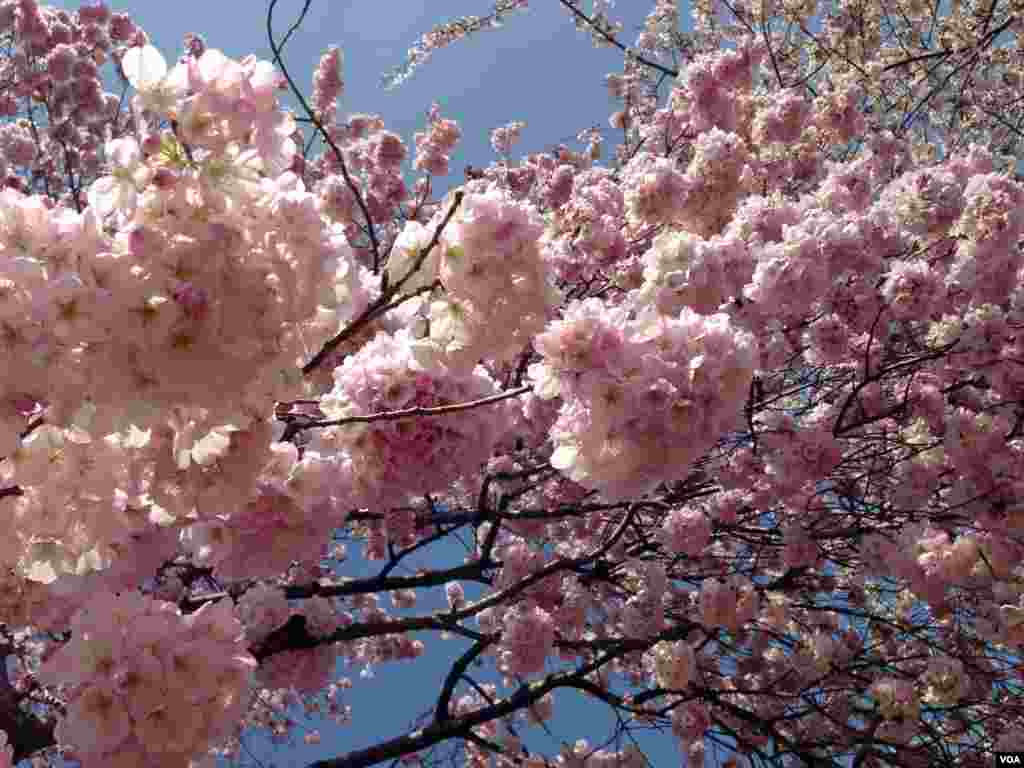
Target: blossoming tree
[734,421]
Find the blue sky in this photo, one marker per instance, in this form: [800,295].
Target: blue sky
[539,69]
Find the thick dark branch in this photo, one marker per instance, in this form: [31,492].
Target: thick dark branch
[26,733]
[456,672]
[342,587]
[293,636]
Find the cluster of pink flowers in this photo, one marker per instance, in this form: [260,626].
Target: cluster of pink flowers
[262,609]
[674,664]
[642,397]
[659,192]
[690,721]
[434,145]
[168,301]
[146,684]
[728,604]
[707,87]
[328,84]
[582,755]
[684,270]
[497,291]
[390,458]
[527,637]
[57,63]
[686,530]
[504,137]
[322,617]
[643,614]
[798,453]
[896,698]
[590,205]
[292,508]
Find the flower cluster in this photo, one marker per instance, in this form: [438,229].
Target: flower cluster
[684,270]
[147,685]
[686,530]
[261,610]
[394,458]
[434,145]
[896,698]
[674,663]
[642,398]
[584,232]
[526,641]
[221,257]
[659,192]
[503,138]
[728,604]
[328,83]
[497,291]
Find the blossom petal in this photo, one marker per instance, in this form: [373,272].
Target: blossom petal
[143,66]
